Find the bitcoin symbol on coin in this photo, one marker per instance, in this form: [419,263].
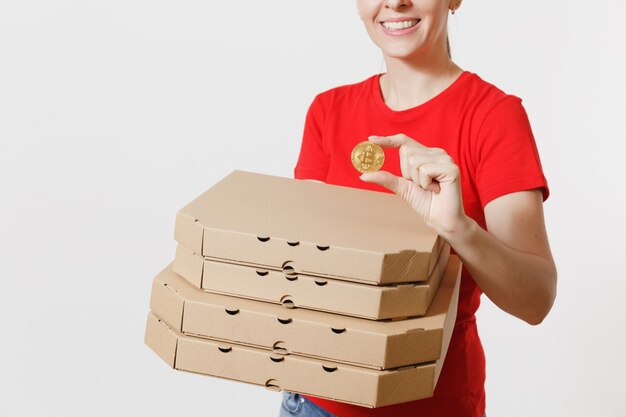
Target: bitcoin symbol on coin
[367,157]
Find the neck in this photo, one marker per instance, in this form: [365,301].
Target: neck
[412,81]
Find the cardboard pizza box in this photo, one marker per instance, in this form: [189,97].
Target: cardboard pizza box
[350,340]
[310,292]
[309,228]
[278,371]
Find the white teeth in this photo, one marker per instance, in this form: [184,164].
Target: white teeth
[405,24]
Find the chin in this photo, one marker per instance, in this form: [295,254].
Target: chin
[400,50]
[400,53]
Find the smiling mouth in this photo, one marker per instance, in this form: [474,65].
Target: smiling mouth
[400,25]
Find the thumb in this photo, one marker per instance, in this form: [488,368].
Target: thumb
[386,179]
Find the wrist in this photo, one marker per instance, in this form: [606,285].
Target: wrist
[462,232]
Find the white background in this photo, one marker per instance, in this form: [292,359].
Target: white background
[114,114]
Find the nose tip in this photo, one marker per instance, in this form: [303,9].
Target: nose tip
[396,4]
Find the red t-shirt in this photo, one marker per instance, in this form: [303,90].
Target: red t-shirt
[488,135]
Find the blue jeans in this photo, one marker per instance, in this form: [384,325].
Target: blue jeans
[296,405]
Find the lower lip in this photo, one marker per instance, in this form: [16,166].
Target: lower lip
[401,31]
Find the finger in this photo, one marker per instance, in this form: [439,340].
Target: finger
[419,157]
[405,162]
[412,158]
[414,170]
[388,180]
[415,161]
[423,180]
[426,182]
[442,173]
[394,141]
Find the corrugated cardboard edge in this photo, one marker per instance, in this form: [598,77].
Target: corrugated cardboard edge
[409,384]
[161,340]
[168,303]
[410,265]
[397,343]
[405,385]
[439,244]
[189,232]
[189,265]
[449,323]
[438,273]
[394,303]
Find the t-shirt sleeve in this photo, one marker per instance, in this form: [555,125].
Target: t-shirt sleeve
[507,159]
[314,159]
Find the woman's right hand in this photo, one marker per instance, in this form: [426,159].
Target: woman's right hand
[430,183]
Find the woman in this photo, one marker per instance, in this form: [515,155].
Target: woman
[462,154]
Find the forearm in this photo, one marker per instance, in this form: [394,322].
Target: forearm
[522,284]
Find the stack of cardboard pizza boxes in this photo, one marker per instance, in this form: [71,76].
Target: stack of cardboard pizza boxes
[323,290]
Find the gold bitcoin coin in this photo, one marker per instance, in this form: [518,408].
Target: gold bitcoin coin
[367,157]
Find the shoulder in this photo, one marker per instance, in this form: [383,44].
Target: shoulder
[487,100]
[345,94]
